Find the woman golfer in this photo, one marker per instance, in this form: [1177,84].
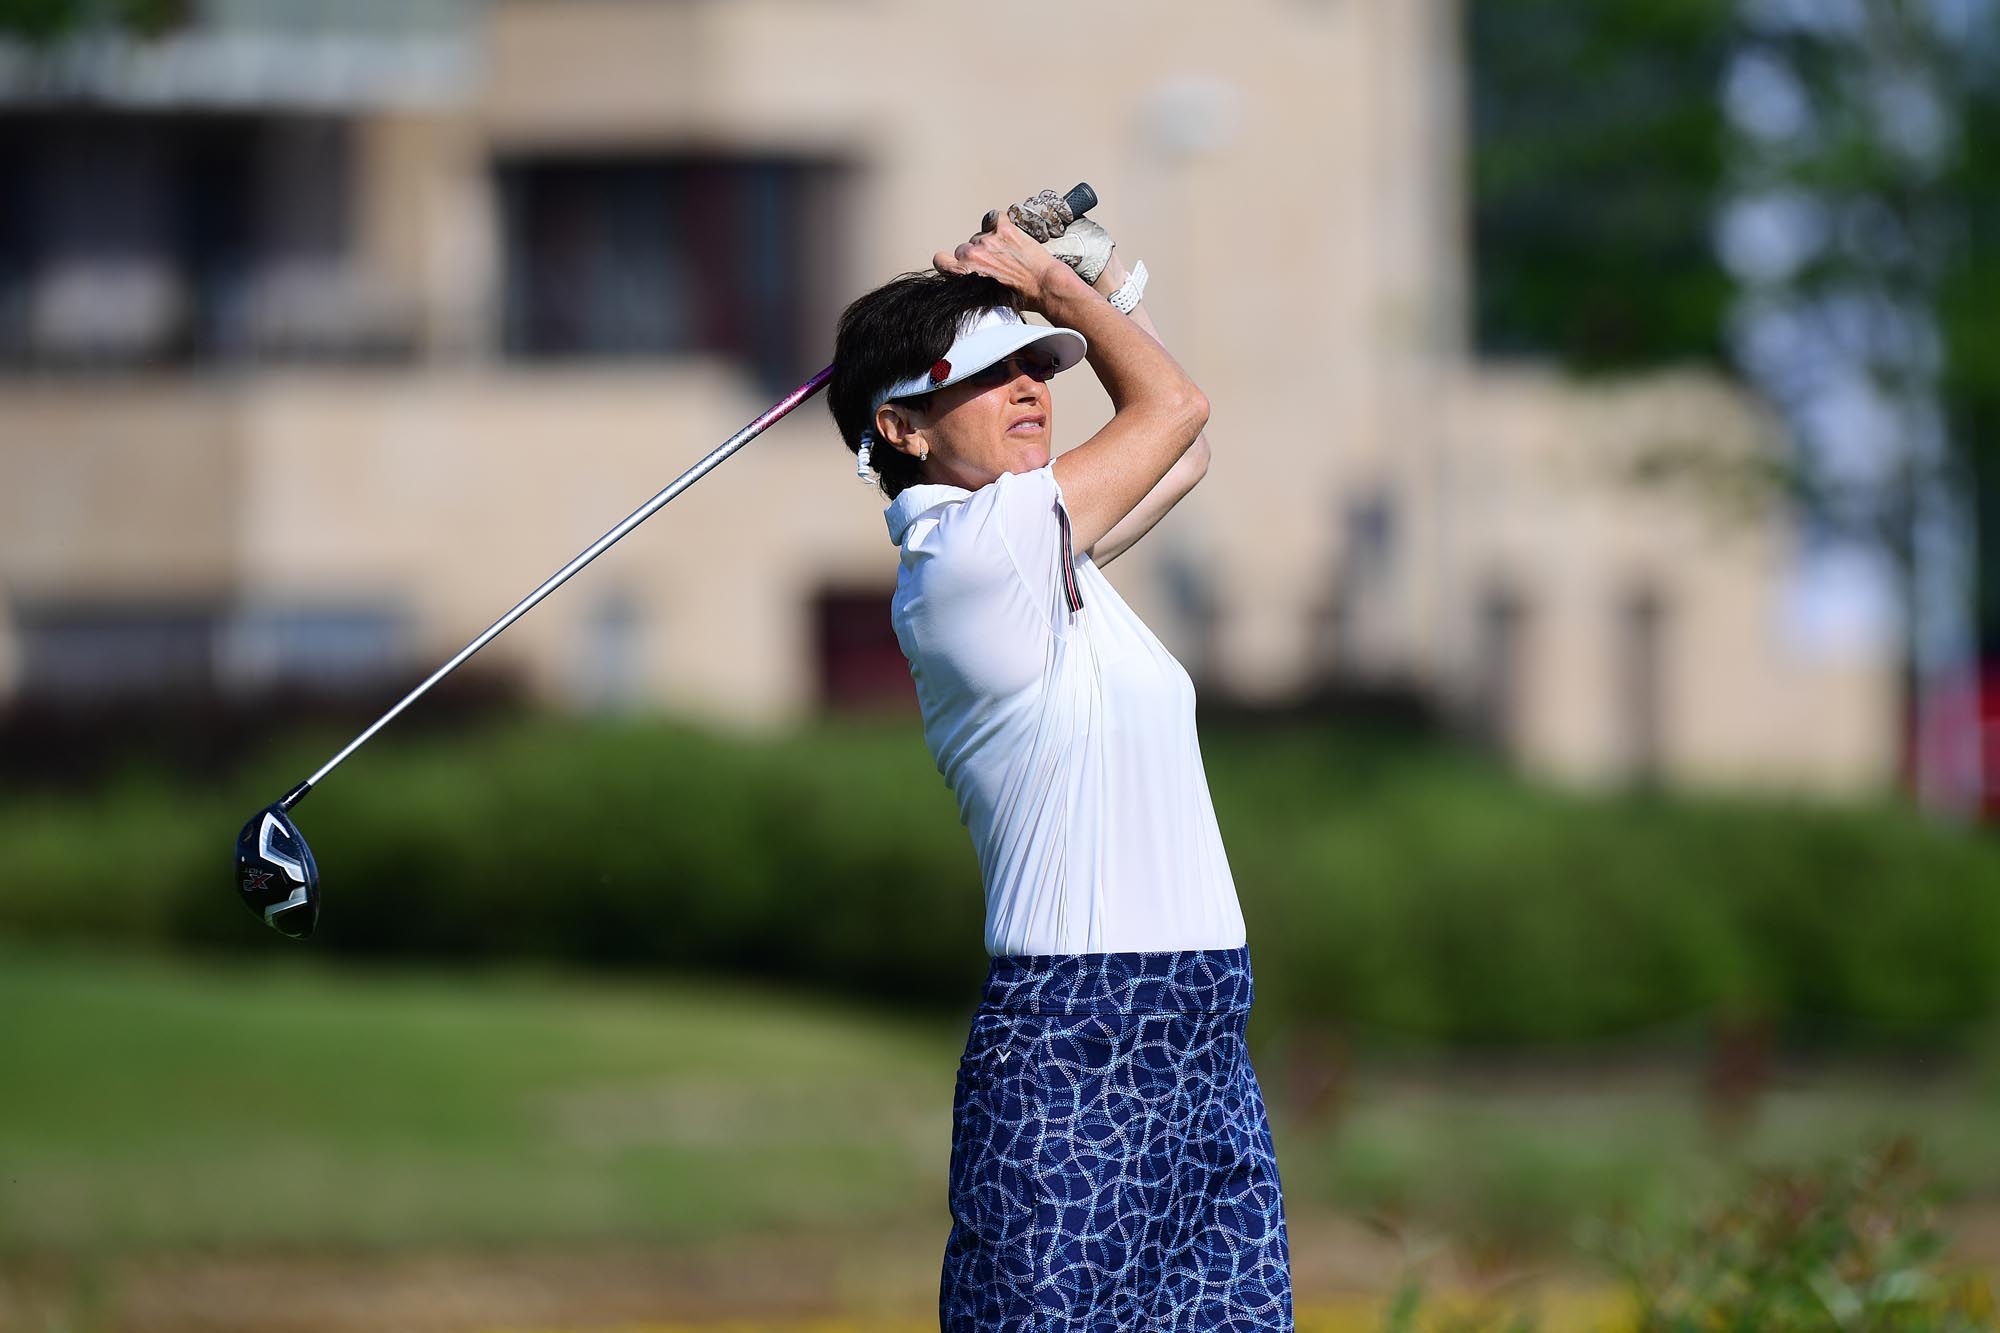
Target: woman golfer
[1111,1163]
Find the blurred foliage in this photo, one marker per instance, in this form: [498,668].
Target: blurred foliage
[1392,890]
[1865,136]
[1605,156]
[1848,1244]
[47,21]
[1969,294]
[1970,286]
[1599,153]
[1426,891]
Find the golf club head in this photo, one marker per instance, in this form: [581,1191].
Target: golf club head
[276,875]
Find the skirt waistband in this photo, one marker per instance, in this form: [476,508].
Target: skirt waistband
[1183,981]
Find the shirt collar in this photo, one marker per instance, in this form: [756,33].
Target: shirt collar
[913,501]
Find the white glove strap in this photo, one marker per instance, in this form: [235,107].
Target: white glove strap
[1127,297]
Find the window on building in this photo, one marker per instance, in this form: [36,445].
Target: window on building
[1194,631]
[660,255]
[107,651]
[130,239]
[1641,629]
[860,665]
[1358,629]
[85,652]
[607,672]
[318,650]
[1499,687]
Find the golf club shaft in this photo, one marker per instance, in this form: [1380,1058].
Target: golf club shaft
[561,576]
[1081,200]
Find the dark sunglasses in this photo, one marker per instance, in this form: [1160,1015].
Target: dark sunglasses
[1037,366]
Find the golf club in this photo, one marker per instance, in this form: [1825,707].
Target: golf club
[276,875]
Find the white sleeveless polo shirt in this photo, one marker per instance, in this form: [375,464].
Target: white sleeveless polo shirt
[1064,728]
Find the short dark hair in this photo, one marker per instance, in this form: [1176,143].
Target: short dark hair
[893,333]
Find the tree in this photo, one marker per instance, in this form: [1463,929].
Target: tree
[45,22]
[1805,193]
[1857,181]
[1599,164]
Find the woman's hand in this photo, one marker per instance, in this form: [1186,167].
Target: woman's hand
[1006,253]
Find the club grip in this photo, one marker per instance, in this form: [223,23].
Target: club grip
[1081,199]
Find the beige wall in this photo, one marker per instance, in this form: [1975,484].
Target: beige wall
[457,493]
[1542,499]
[122,491]
[1288,172]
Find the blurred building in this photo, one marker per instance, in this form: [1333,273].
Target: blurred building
[330,329]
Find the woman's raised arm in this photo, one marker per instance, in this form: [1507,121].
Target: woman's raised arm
[1181,478]
[1157,411]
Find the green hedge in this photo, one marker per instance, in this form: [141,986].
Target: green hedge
[1391,889]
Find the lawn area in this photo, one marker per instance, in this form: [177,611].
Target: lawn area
[163,1117]
[152,1103]
[1520,1159]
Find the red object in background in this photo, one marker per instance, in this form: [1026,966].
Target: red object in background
[1951,755]
[860,665]
[1989,743]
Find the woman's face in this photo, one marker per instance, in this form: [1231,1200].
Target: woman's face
[975,430]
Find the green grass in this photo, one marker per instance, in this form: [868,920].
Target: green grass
[1531,1164]
[275,1106]
[154,1104]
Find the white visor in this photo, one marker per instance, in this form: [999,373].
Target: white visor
[994,335]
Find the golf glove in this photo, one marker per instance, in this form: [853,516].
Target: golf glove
[1082,244]
[1085,247]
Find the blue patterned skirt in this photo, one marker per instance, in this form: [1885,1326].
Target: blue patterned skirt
[1111,1162]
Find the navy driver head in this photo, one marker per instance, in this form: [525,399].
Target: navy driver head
[275,874]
